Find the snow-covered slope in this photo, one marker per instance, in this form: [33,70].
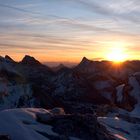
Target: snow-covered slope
[21,124]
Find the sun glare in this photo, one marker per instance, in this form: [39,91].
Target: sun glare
[117,53]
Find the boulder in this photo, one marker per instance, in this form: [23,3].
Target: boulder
[57,111]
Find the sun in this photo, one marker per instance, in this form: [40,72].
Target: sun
[117,53]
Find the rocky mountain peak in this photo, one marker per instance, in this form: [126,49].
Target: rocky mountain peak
[85,61]
[29,60]
[8,58]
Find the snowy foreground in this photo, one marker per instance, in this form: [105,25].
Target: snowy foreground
[21,124]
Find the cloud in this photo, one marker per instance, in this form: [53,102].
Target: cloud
[37,42]
[105,9]
[37,19]
[18,9]
[34,29]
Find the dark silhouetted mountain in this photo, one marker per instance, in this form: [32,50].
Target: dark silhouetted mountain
[8,58]
[61,69]
[29,60]
[57,68]
[85,62]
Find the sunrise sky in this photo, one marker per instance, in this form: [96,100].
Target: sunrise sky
[67,30]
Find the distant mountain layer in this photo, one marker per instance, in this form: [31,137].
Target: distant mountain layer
[96,82]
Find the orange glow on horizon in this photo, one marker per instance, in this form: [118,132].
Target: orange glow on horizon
[116,51]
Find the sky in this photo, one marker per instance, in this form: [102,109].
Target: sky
[67,30]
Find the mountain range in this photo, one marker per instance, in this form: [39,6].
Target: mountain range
[95,100]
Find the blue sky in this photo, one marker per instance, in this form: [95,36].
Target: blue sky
[67,30]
